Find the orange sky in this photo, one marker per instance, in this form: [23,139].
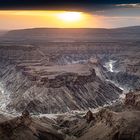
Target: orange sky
[56,19]
[20,19]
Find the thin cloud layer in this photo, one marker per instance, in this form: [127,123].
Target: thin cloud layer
[133,5]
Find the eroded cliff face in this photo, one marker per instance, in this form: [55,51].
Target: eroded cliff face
[30,79]
[60,93]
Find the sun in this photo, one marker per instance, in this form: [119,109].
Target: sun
[70,16]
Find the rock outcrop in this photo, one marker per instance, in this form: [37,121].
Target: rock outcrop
[25,127]
[133,99]
[89,116]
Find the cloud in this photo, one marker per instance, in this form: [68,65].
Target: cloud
[133,5]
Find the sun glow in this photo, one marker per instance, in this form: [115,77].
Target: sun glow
[70,16]
[17,19]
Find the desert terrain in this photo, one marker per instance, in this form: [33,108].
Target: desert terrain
[66,72]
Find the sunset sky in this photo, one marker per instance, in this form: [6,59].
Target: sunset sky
[108,15]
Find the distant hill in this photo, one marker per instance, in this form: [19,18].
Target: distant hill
[2,32]
[131,29]
[75,34]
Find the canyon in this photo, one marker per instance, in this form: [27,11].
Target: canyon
[61,71]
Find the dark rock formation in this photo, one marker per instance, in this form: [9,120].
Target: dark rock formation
[89,116]
[133,100]
[24,127]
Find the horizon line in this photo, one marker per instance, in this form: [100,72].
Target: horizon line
[67,28]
